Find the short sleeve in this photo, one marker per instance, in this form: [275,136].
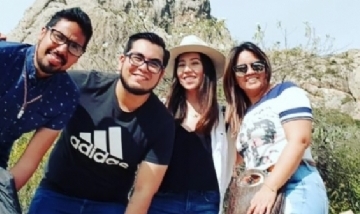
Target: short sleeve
[294,105]
[162,148]
[59,121]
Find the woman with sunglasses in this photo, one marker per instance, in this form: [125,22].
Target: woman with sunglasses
[273,126]
[202,162]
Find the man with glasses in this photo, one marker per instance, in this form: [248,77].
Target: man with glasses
[37,94]
[120,128]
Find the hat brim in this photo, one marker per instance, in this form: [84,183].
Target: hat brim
[216,56]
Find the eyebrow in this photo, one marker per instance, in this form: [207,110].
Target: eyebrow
[197,58]
[148,59]
[63,34]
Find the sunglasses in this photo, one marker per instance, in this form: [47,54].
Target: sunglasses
[241,70]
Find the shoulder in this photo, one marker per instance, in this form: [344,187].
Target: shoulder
[157,110]
[92,79]
[290,89]
[9,48]
[13,46]
[67,92]
[283,89]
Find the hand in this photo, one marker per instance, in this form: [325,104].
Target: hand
[2,37]
[263,201]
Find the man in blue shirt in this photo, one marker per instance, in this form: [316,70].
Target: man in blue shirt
[36,93]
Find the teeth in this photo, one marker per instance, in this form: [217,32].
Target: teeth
[252,79]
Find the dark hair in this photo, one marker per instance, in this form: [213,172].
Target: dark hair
[77,15]
[151,37]
[237,100]
[176,100]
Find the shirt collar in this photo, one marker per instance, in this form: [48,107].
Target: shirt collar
[30,66]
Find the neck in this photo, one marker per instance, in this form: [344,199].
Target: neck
[39,73]
[256,96]
[192,101]
[128,102]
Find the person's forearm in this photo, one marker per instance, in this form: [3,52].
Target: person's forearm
[139,202]
[287,164]
[22,171]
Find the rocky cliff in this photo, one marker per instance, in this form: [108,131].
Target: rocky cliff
[332,81]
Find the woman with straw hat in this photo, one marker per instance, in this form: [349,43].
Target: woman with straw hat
[202,162]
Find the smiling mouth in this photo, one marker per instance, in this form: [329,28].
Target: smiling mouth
[189,78]
[252,79]
[142,77]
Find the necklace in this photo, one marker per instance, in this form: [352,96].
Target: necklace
[196,115]
[25,102]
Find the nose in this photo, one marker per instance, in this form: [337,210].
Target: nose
[250,70]
[143,67]
[187,68]
[63,48]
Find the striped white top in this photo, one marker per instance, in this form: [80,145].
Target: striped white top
[262,138]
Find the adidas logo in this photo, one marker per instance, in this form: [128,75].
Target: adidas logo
[94,146]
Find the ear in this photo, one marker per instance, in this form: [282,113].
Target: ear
[162,73]
[42,33]
[122,58]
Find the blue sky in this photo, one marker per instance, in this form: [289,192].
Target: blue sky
[338,18]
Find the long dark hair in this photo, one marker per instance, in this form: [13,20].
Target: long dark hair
[176,99]
[237,101]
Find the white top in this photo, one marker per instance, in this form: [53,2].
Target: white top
[224,154]
[262,137]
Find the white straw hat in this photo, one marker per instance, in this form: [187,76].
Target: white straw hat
[193,43]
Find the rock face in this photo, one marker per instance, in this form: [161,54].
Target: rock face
[332,82]
[115,20]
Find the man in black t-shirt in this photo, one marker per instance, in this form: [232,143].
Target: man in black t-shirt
[119,129]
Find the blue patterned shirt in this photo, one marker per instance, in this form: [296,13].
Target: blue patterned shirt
[53,110]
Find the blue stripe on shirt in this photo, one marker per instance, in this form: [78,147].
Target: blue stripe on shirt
[306,110]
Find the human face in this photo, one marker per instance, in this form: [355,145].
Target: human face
[59,47]
[254,79]
[190,71]
[138,67]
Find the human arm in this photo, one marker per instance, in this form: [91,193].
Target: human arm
[39,144]
[151,171]
[296,119]
[238,158]
[2,37]
[41,141]
[147,182]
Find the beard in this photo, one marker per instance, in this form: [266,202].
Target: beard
[133,90]
[47,68]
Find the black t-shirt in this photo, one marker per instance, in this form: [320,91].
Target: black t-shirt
[192,166]
[97,154]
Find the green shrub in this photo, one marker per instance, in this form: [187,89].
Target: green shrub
[27,192]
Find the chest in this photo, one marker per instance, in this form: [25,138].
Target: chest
[260,126]
[25,107]
[96,133]
[189,123]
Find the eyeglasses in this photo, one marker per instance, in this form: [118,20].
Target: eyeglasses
[60,39]
[241,70]
[137,59]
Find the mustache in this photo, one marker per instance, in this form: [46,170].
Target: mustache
[60,56]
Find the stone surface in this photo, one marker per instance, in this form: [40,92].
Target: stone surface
[331,81]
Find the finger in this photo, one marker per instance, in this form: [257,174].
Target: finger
[268,209]
[251,209]
[260,210]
